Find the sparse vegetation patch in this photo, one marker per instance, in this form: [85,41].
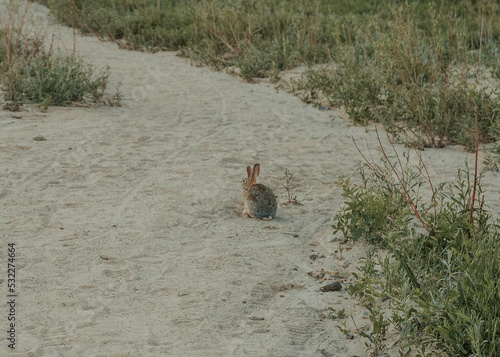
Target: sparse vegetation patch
[439,274]
[411,66]
[31,73]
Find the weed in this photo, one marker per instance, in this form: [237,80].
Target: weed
[345,330]
[411,66]
[29,73]
[341,250]
[288,187]
[371,212]
[56,81]
[115,101]
[337,314]
[492,159]
[440,275]
[377,336]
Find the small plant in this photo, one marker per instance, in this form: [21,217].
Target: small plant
[371,211]
[115,100]
[345,330]
[366,289]
[337,314]
[30,73]
[492,159]
[292,199]
[54,80]
[437,275]
[341,250]
[377,336]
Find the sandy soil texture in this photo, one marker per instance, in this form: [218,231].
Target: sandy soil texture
[127,221]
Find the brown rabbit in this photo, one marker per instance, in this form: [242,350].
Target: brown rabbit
[259,200]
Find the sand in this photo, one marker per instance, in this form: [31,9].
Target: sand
[127,220]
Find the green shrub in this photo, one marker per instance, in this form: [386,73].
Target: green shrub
[140,24]
[31,74]
[371,212]
[411,66]
[55,81]
[418,82]
[440,276]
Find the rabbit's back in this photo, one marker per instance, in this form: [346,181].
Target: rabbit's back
[260,202]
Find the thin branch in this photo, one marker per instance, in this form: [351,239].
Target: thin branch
[392,167]
[397,156]
[432,188]
[475,161]
[406,196]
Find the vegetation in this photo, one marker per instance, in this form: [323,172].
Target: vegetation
[428,71]
[440,270]
[288,186]
[31,73]
[492,158]
[411,66]
[414,78]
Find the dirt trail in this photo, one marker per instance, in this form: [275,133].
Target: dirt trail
[127,222]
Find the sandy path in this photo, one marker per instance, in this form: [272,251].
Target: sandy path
[127,222]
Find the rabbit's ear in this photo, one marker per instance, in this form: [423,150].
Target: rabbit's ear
[249,171]
[256,171]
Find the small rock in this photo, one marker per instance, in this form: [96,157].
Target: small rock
[335,286]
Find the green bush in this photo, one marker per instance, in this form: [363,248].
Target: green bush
[411,66]
[440,276]
[54,80]
[29,73]
[140,24]
[370,212]
[417,82]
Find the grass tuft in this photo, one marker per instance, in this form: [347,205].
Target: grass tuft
[31,73]
[440,271]
[411,66]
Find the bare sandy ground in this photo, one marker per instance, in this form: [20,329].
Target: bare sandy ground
[127,221]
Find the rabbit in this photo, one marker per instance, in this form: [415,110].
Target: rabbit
[259,200]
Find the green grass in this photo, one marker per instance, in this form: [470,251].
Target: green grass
[416,77]
[54,80]
[439,272]
[410,65]
[30,73]
[135,24]
[422,69]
